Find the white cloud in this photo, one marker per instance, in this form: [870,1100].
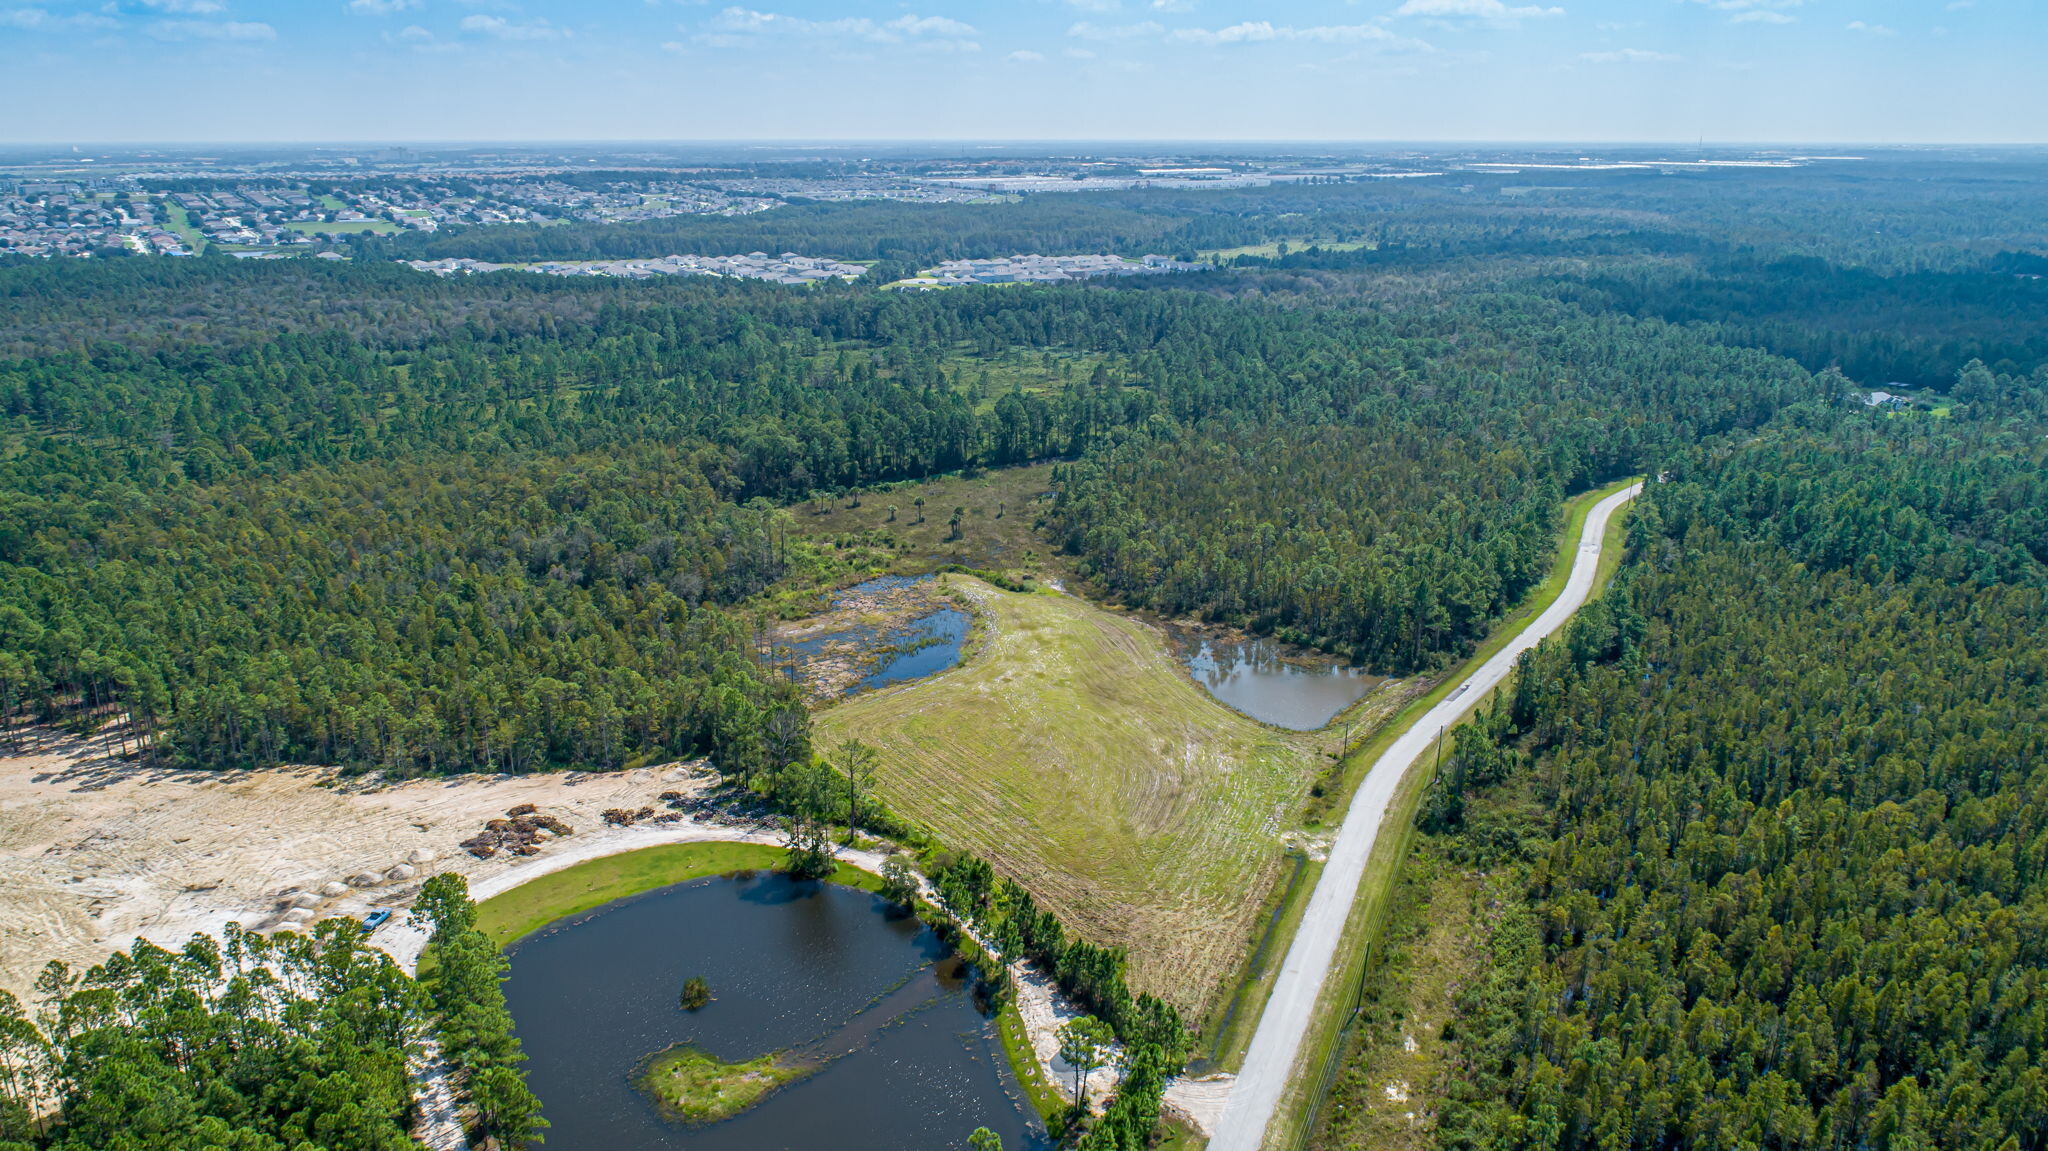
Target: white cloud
[1257,31]
[211,30]
[1754,11]
[1173,5]
[1872,29]
[1026,56]
[1626,56]
[503,29]
[1086,31]
[933,32]
[40,19]
[188,7]
[381,7]
[1493,10]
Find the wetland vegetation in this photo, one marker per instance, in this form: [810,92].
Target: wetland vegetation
[694,1086]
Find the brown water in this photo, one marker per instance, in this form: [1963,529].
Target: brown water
[815,969]
[1295,689]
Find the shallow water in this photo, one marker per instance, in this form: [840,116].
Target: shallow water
[924,645]
[812,967]
[1300,692]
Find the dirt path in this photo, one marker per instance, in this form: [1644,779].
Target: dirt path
[1269,1064]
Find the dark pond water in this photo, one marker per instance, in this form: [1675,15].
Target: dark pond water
[810,967]
[923,645]
[1260,678]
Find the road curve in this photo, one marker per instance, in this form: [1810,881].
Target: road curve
[1276,1045]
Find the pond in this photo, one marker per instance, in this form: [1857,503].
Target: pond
[1297,690]
[903,1057]
[892,629]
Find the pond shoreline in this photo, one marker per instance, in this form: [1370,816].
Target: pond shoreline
[819,990]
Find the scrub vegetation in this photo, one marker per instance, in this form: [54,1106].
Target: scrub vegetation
[694,1086]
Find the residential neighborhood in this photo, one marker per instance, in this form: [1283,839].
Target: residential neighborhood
[788,268]
[1036,269]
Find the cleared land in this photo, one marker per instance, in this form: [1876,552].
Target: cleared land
[95,852]
[1271,250]
[1076,755]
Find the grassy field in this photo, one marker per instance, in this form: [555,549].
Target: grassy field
[1272,250]
[1075,754]
[181,223]
[1371,908]
[535,904]
[346,227]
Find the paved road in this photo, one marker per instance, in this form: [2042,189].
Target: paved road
[1276,1046]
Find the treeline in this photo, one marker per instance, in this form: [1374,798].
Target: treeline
[444,614]
[1775,812]
[1154,1039]
[504,541]
[1397,489]
[289,1043]
[1917,327]
[474,1025]
[919,234]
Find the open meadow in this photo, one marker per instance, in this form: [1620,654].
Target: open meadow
[1077,756]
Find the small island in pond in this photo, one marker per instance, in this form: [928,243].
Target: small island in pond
[695,1086]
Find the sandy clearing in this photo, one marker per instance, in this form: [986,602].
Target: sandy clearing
[94,852]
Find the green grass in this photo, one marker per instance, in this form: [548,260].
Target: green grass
[346,227]
[1272,250]
[692,1085]
[181,223]
[594,883]
[1370,906]
[1045,1099]
[1229,1031]
[1073,752]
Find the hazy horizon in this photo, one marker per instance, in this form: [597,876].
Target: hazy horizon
[1607,72]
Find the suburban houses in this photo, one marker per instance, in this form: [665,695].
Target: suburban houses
[1035,269]
[788,268]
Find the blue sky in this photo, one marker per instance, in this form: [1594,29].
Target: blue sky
[1877,71]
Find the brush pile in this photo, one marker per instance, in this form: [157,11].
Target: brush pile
[521,833]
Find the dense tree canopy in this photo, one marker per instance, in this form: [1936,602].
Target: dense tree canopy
[1776,808]
[244,1043]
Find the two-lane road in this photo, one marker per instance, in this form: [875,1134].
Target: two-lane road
[1276,1046]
